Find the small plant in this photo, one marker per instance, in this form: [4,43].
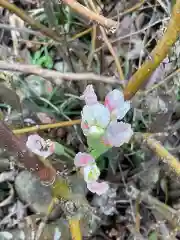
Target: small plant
[42,58]
[102,126]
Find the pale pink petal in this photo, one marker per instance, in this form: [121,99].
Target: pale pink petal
[114,101]
[89,95]
[98,187]
[117,133]
[38,146]
[96,115]
[85,128]
[120,112]
[83,159]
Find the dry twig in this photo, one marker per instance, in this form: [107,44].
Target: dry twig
[55,75]
[46,126]
[82,10]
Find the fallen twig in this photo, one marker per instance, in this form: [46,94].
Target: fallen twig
[76,6]
[46,126]
[55,75]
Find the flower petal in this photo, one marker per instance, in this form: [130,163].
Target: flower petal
[91,173]
[96,115]
[120,112]
[38,146]
[83,159]
[98,187]
[114,101]
[89,95]
[85,128]
[117,133]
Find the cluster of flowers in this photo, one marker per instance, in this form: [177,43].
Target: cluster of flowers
[102,122]
[98,121]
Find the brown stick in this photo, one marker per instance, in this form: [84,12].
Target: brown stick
[55,75]
[84,11]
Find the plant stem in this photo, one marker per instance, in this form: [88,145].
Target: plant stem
[157,55]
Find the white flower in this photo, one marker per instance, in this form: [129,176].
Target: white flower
[91,173]
[98,187]
[96,116]
[117,133]
[83,159]
[39,146]
[116,104]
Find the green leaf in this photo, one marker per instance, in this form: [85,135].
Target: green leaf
[61,150]
[36,56]
[96,147]
[153,236]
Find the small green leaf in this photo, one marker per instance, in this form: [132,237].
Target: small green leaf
[59,149]
[96,148]
[153,236]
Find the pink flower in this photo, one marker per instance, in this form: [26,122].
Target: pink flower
[39,146]
[83,159]
[116,104]
[98,187]
[117,133]
[89,95]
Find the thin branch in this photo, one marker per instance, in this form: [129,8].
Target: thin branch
[18,29]
[134,33]
[46,126]
[55,75]
[157,55]
[84,11]
[111,50]
[132,9]
[109,45]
